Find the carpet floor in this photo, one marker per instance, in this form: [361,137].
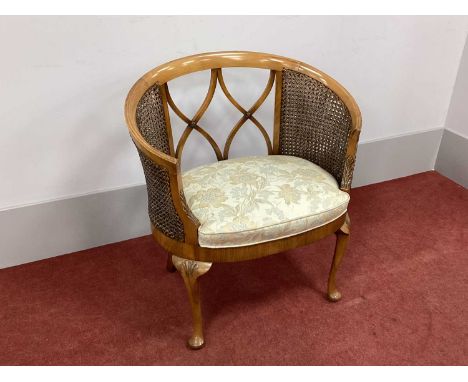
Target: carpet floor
[404,281]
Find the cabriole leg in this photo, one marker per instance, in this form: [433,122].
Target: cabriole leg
[190,271]
[342,237]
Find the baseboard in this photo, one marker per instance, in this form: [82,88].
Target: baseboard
[452,160]
[392,158]
[50,229]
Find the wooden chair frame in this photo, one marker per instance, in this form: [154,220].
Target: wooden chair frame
[187,256]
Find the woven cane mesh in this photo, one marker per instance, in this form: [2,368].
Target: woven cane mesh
[151,122]
[315,123]
[150,119]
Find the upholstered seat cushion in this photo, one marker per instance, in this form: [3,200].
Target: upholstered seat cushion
[251,200]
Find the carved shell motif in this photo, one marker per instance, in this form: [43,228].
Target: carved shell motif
[190,268]
[350,160]
[348,172]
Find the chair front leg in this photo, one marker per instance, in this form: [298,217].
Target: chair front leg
[342,237]
[190,271]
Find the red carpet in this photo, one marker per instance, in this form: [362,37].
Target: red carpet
[404,280]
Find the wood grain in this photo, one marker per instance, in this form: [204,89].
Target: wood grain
[189,258]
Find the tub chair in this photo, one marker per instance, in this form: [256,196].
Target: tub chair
[245,208]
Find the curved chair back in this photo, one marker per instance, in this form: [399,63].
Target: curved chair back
[315,118]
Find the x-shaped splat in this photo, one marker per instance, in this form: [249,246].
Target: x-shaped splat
[193,124]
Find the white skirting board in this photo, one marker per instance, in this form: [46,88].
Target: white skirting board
[54,228]
[39,231]
[452,160]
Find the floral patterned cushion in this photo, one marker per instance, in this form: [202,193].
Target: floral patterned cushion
[251,200]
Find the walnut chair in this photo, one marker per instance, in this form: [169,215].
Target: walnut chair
[246,208]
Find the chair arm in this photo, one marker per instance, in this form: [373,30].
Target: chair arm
[169,167]
[167,208]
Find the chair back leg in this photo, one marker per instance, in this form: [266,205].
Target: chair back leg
[169,265]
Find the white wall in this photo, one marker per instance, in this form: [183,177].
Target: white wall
[457,118]
[64,81]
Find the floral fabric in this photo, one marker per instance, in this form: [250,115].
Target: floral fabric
[251,200]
